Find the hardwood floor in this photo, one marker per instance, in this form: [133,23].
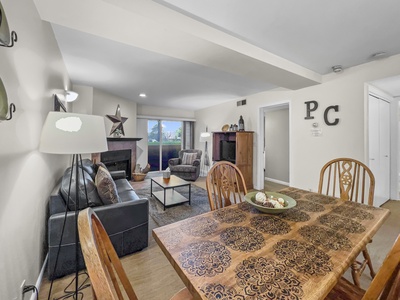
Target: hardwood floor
[153,277]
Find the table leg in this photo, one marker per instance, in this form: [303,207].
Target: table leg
[151,187]
[190,192]
[165,196]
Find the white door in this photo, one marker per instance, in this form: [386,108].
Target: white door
[379,147]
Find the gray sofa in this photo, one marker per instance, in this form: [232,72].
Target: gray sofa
[126,222]
[186,172]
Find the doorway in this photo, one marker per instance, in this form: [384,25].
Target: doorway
[274,146]
[379,146]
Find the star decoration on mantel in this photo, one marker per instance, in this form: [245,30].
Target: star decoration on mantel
[118,121]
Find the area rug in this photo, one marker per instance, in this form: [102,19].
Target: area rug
[198,204]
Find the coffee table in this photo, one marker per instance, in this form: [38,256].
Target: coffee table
[168,196]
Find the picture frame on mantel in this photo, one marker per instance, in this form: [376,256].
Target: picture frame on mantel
[59,105]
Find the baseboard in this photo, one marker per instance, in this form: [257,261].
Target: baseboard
[276,181]
[39,279]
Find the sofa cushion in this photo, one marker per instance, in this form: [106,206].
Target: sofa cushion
[188,158]
[94,199]
[183,169]
[89,167]
[106,187]
[123,185]
[128,195]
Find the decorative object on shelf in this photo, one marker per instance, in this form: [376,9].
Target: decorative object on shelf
[59,105]
[225,127]
[118,121]
[117,133]
[241,124]
[76,134]
[7,39]
[4,107]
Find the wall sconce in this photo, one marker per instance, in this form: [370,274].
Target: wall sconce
[4,107]
[7,39]
[67,96]
[61,99]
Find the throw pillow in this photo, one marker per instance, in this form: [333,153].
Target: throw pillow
[93,197]
[188,158]
[106,187]
[100,164]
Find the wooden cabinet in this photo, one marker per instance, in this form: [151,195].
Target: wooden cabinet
[236,147]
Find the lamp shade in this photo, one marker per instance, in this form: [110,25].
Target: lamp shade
[70,133]
[205,137]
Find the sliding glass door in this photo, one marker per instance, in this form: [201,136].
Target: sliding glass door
[164,142]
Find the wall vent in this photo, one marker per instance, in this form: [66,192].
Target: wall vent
[241,102]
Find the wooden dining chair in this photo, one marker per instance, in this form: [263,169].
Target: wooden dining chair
[102,262]
[385,285]
[350,179]
[225,185]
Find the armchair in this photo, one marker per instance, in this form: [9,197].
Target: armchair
[186,171]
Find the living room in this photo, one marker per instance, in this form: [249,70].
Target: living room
[34,68]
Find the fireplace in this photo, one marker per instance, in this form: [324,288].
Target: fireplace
[118,160]
[117,153]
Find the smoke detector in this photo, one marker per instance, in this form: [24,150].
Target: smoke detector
[337,69]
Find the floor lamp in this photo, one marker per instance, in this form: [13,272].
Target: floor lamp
[76,134]
[204,138]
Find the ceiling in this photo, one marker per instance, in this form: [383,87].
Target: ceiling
[192,54]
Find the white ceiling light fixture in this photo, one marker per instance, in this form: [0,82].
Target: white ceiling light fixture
[142,95]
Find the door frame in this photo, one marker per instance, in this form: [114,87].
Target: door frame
[394,119]
[259,182]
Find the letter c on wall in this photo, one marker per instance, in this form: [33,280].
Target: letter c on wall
[336,109]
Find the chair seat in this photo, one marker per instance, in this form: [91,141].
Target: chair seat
[183,294]
[345,290]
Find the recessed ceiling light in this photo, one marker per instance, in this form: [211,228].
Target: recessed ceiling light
[143,95]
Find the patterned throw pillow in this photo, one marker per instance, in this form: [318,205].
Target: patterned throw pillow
[100,164]
[106,187]
[188,158]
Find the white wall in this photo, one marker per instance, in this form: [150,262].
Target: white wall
[164,112]
[277,145]
[84,103]
[106,104]
[309,153]
[30,71]
[141,146]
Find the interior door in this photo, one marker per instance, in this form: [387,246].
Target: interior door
[379,147]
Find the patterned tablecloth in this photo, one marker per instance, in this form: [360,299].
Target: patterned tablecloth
[240,253]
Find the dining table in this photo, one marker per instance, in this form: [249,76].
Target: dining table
[239,253]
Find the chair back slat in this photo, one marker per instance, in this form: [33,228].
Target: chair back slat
[348,179]
[102,262]
[225,185]
[386,283]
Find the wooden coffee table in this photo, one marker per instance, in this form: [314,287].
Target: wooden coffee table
[168,196]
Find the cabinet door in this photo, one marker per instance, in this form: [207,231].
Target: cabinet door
[244,156]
